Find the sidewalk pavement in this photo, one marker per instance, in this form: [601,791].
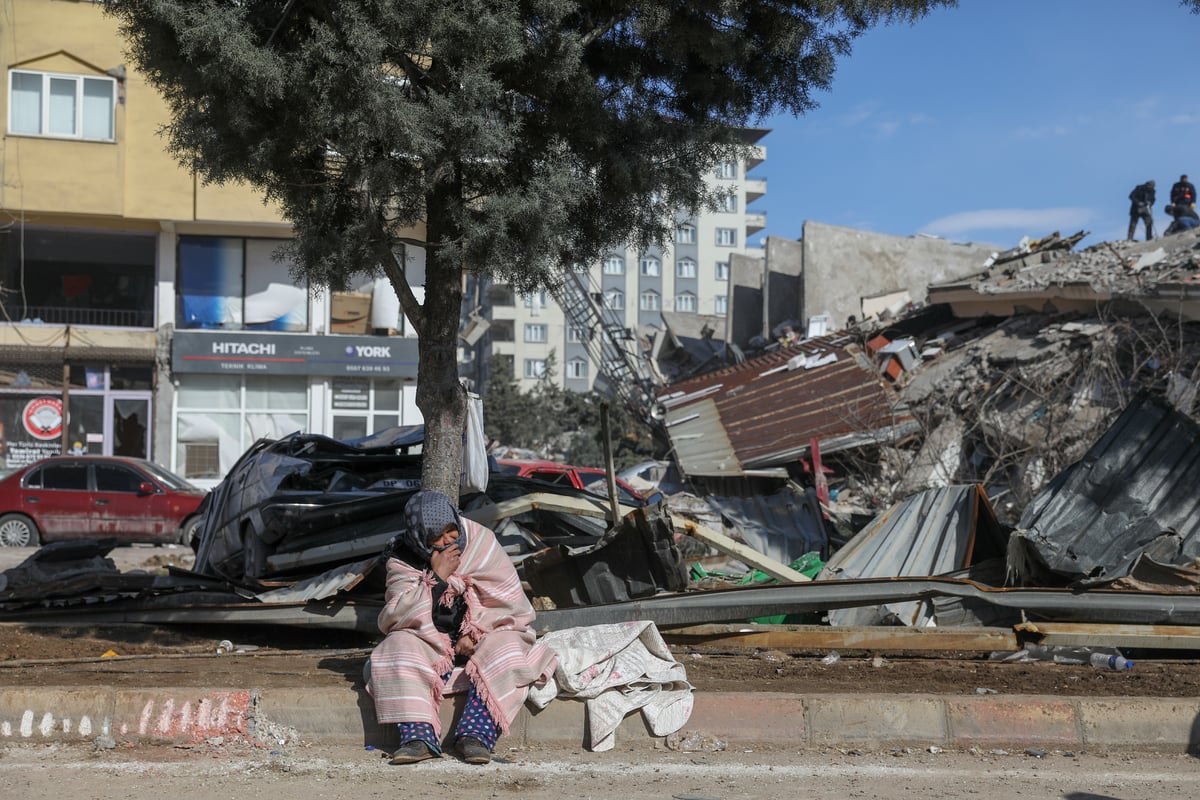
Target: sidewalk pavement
[345,715]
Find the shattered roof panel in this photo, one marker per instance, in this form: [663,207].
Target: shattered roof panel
[783,526]
[933,532]
[771,407]
[1133,492]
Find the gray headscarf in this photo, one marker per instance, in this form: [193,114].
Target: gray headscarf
[425,516]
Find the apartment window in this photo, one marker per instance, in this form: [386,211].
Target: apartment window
[576,333]
[727,202]
[535,367]
[536,300]
[651,266]
[614,265]
[614,300]
[67,106]
[535,332]
[579,266]
[685,302]
[685,268]
[649,300]
[721,305]
[727,237]
[722,270]
[727,170]
[577,368]
[685,234]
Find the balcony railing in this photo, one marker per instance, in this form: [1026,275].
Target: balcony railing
[67,315]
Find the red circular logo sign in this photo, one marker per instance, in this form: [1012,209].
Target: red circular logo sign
[43,418]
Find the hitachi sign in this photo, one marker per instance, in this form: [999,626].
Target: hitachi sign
[370,351]
[243,349]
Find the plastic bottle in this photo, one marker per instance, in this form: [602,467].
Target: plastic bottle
[1106,661]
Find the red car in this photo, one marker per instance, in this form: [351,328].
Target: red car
[588,478]
[96,497]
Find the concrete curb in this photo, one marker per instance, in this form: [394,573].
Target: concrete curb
[346,716]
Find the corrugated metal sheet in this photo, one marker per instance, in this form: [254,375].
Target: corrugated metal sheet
[931,533]
[699,439]
[784,525]
[1135,491]
[770,413]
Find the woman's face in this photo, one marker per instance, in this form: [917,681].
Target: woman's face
[447,537]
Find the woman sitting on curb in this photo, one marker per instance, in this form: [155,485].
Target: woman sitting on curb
[453,600]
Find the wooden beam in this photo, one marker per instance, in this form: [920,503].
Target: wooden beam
[825,637]
[738,550]
[586,507]
[1071,634]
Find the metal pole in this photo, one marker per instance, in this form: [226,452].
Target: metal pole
[608,465]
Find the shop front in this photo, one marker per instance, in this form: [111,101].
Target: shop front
[232,389]
[107,395]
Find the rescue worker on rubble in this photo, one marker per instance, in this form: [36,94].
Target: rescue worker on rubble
[1183,193]
[1184,219]
[1141,207]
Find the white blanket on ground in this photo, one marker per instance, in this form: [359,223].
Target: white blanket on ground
[617,669]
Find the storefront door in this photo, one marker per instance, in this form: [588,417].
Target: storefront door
[112,424]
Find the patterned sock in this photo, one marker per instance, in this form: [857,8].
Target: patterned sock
[420,732]
[477,722]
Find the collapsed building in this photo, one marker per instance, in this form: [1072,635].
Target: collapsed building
[946,458]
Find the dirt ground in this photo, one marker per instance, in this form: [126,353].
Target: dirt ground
[149,656]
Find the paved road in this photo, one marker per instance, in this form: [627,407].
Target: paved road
[207,771]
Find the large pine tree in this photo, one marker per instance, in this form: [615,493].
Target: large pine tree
[523,134]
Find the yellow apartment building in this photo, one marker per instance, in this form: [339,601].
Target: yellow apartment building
[142,312]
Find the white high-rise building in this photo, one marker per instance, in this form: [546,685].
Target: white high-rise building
[689,276]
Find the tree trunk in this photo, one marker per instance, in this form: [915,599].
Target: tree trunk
[440,396]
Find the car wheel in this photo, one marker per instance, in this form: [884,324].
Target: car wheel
[18,530]
[189,531]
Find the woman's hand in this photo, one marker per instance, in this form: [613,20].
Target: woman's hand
[465,646]
[445,562]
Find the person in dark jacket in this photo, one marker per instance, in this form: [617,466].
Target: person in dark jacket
[1183,193]
[1185,219]
[1141,207]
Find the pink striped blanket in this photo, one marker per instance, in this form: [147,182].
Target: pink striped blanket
[406,667]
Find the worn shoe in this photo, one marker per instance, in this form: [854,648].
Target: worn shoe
[472,750]
[412,752]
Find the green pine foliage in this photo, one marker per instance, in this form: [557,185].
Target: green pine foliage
[523,136]
[560,425]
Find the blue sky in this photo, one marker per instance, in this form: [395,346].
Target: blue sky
[994,120]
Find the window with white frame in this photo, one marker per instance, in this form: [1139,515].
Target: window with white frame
[727,170]
[727,237]
[651,266]
[721,305]
[685,301]
[614,265]
[576,333]
[727,202]
[66,106]
[535,332]
[685,233]
[536,300]
[614,300]
[577,368]
[649,300]
[535,367]
[722,270]
[685,268]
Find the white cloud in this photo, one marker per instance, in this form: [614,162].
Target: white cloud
[1036,220]
[1039,132]
[882,124]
